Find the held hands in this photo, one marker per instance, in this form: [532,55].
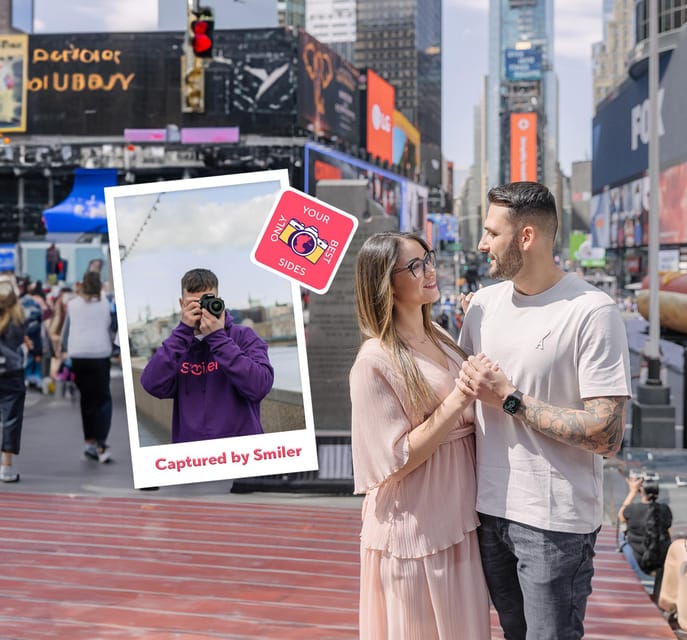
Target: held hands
[201,320]
[483,379]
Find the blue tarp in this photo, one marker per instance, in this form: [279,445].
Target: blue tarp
[83,211]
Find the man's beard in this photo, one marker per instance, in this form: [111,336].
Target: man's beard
[507,266]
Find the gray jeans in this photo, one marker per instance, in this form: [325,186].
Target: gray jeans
[539,581]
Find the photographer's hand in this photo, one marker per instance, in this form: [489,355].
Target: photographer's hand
[190,313]
[635,484]
[209,323]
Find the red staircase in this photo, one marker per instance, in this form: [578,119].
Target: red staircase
[87,568]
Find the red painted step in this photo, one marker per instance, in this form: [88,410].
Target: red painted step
[88,568]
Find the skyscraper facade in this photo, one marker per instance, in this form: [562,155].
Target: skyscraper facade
[610,57]
[522,95]
[401,40]
[333,22]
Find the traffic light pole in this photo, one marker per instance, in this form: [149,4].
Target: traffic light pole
[192,66]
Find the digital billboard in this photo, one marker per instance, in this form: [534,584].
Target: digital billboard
[523,147]
[100,84]
[13,71]
[381,103]
[620,132]
[523,64]
[328,91]
[406,143]
[396,196]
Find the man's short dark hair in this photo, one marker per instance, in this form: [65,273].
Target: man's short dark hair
[198,280]
[530,201]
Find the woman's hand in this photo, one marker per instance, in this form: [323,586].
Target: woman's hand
[465,300]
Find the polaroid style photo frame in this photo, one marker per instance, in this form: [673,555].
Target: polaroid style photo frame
[159,231]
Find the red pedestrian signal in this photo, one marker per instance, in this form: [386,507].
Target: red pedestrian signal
[201,29]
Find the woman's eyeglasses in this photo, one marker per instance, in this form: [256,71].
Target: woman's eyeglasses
[417,265]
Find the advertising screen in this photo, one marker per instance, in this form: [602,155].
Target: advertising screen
[13,65]
[523,64]
[406,143]
[620,132]
[620,214]
[381,103]
[328,91]
[396,196]
[101,84]
[523,147]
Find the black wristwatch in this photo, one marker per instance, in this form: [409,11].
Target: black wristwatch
[512,402]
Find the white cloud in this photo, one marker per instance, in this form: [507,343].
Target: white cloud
[577,24]
[95,16]
[181,222]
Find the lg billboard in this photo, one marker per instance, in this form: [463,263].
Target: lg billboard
[381,103]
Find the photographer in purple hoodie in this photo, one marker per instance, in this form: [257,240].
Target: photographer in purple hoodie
[216,372]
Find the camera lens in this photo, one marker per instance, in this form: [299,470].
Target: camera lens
[216,306]
[212,303]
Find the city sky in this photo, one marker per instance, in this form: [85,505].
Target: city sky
[577,23]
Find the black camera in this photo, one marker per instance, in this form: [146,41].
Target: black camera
[212,303]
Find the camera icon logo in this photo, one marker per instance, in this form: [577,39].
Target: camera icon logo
[304,241]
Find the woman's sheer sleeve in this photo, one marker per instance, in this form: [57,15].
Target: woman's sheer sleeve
[379,426]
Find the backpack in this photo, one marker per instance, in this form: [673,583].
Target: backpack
[656,538]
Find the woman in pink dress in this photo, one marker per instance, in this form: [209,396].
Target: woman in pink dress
[413,456]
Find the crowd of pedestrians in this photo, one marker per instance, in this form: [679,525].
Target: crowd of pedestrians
[40,354]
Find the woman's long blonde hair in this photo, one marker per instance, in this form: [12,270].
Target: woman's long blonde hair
[10,307]
[374,300]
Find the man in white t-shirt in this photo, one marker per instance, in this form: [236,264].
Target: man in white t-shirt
[546,416]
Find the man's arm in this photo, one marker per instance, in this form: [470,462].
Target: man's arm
[633,485]
[598,427]
[159,377]
[245,362]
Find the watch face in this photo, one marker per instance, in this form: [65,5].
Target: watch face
[511,404]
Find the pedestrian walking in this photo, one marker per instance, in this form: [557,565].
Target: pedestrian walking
[12,387]
[87,340]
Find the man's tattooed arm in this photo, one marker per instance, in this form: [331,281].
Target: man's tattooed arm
[599,427]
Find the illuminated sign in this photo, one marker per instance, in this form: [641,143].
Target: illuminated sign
[523,147]
[523,64]
[381,103]
[13,74]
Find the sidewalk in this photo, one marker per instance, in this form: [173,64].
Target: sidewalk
[88,557]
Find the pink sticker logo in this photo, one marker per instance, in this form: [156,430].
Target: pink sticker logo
[304,239]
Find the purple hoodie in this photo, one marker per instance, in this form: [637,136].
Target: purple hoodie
[217,383]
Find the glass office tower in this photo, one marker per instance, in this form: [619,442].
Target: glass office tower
[401,40]
[522,100]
